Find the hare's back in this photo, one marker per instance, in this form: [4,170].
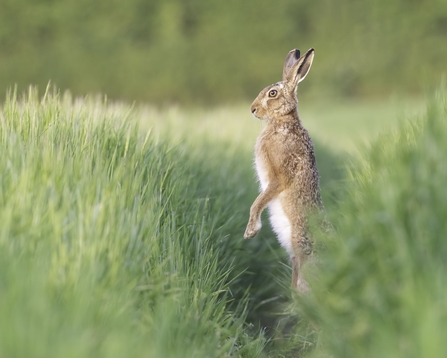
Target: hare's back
[299,167]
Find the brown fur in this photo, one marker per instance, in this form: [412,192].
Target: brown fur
[286,163]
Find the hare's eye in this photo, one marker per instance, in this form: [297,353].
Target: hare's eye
[273,93]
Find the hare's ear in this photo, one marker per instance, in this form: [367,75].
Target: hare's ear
[300,68]
[292,57]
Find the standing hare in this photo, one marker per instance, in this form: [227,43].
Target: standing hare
[286,166]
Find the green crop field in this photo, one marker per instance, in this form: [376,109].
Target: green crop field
[121,233]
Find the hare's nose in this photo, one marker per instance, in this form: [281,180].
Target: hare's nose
[253,110]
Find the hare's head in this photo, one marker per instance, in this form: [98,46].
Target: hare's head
[279,99]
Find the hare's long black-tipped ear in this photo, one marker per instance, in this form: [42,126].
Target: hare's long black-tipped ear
[292,57]
[300,69]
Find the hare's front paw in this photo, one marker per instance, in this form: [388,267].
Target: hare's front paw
[252,229]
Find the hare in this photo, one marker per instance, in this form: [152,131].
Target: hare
[286,165]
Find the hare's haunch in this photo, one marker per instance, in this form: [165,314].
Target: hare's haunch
[286,166]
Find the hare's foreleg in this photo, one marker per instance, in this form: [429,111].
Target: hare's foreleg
[254,223]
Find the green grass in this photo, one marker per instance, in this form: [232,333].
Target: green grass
[343,126]
[350,125]
[381,287]
[122,232]
[110,243]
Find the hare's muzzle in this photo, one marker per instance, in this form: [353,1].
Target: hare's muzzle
[253,110]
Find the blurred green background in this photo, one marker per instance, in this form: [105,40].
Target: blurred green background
[208,52]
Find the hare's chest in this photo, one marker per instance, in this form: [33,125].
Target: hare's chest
[261,162]
[262,172]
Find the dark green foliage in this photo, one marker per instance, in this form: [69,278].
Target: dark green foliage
[212,51]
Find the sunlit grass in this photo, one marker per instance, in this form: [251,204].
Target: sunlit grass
[111,245]
[349,125]
[343,126]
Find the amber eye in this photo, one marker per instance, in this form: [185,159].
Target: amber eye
[273,93]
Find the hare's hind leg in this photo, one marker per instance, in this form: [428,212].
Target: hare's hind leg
[298,282]
[302,248]
[295,272]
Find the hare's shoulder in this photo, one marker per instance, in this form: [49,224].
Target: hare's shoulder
[286,150]
[285,141]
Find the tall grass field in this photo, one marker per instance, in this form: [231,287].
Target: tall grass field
[121,234]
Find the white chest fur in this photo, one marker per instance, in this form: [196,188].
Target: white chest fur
[262,173]
[278,219]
